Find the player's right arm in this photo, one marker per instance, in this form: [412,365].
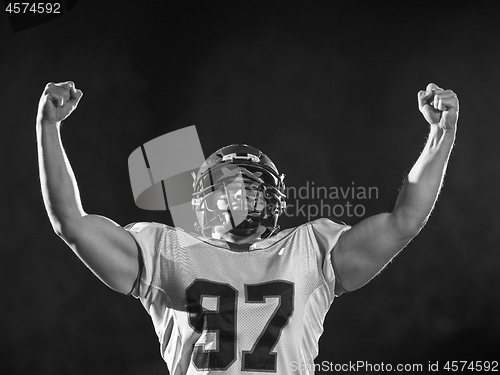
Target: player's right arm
[103,245]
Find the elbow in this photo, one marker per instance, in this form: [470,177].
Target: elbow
[66,229]
[57,225]
[64,233]
[407,227]
[58,229]
[412,231]
[68,233]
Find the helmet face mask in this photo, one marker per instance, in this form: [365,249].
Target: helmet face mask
[238,190]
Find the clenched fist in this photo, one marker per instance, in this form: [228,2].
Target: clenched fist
[439,107]
[57,102]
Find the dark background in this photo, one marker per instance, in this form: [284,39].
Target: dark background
[327,89]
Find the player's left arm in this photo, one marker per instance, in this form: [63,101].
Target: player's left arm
[363,251]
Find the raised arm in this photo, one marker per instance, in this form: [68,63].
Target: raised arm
[104,246]
[365,249]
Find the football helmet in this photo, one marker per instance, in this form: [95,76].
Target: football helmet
[238,189]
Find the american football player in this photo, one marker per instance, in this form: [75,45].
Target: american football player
[239,296]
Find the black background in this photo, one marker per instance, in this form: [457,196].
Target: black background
[327,89]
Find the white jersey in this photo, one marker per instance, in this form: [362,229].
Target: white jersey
[216,310]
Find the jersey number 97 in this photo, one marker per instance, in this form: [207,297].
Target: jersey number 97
[222,322]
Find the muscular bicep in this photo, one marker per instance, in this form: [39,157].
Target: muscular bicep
[362,252]
[106,248]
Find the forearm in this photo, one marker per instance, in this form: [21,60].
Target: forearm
[423,184]
[59,188]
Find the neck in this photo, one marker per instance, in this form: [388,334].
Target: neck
[229,237]
[245,240]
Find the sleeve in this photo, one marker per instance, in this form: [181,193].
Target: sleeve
[148,237]
[327,233]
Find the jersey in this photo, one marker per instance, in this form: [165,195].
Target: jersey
[216,310]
